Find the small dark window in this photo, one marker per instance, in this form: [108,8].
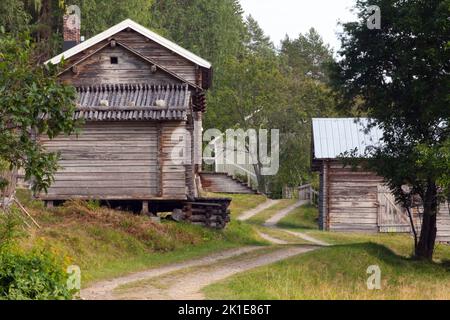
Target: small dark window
[114,60]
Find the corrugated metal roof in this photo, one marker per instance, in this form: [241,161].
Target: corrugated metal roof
[334,136]
[128,23]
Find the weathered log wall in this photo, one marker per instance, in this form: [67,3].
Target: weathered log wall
[352,199]
[117,160]
[349,202]
[174,156]
[148,48]
[168,59]
[135,160]
[129,69]
[443,224]
[323,197]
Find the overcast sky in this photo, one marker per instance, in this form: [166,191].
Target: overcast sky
[292,17]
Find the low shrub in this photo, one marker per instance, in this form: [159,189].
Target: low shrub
[38,274]
[35,275]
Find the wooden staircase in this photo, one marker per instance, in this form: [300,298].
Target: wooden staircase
[224,183]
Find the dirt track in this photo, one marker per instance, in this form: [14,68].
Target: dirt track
[185,280]
[188,285]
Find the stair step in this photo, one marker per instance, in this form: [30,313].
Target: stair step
[224,183]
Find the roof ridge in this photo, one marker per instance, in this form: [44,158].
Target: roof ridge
[128,23]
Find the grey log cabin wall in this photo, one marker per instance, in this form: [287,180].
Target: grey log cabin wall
[349,202]
[139,100]
[323,209]
[107,160]
[129,69]
[357,200]
[350,198]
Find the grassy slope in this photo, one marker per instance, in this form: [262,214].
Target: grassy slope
[339,272]
[304,217]
[107,243]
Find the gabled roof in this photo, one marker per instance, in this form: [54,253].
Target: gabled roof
[137,54]
[128,23]
[334,136]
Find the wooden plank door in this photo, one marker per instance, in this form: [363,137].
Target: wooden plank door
[392,218]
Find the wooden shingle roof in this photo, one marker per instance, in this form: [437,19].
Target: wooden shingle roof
[113,102]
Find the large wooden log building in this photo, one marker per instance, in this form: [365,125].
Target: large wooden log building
[357,200]
[142,98]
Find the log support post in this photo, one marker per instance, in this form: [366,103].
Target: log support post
[145,208]
[49,204]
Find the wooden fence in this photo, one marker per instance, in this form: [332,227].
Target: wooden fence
[307,192]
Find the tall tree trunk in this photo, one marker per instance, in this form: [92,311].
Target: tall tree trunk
[44,30]
[425,247]
[260,178]
[6,193]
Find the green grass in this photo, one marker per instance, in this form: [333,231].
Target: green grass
[281,235]
[304,217]
[339,273]
[401,244]
[241,202]
[106,243]
[263,216]
[104,252]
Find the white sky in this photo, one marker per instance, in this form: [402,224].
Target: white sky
[292,17]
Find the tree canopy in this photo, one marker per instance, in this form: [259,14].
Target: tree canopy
[32,102]
[399,76]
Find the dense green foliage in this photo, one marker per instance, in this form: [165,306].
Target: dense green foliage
[99,15]
[32,102]
[212,29]
[307,56]
[38,274]
[13,16]
[44,18]
[400,76]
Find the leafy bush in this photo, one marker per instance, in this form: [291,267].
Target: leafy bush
[29,275]
[9,230]
[36,275]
